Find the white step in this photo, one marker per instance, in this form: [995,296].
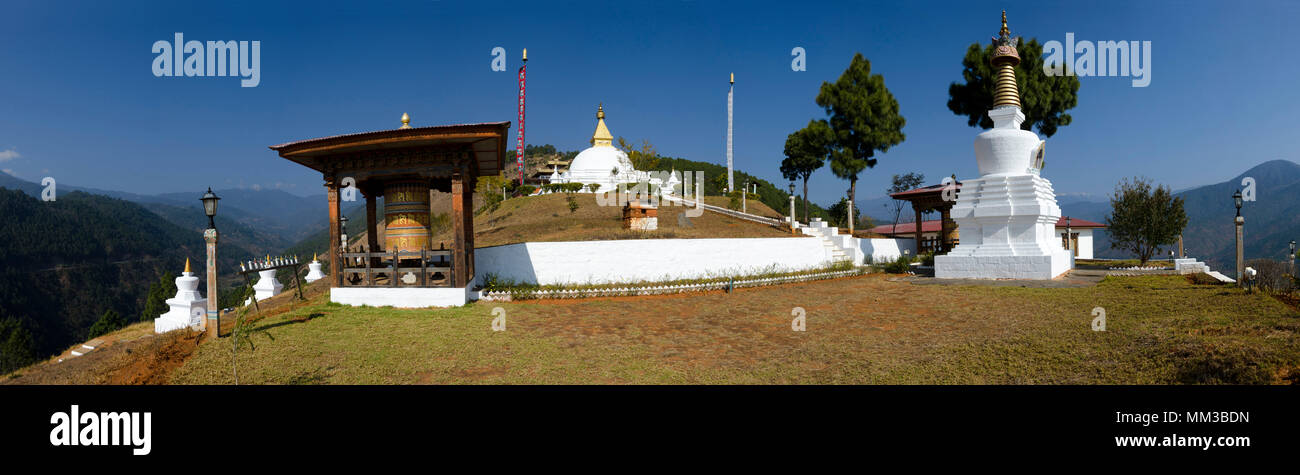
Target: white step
[1221,277]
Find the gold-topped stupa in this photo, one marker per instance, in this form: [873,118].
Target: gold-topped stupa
[602,137]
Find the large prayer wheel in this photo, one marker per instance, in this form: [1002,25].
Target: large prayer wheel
[406,216]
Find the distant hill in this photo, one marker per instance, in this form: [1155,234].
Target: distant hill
[64,263]
[1271,222]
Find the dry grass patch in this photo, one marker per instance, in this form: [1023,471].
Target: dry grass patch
[1159,330]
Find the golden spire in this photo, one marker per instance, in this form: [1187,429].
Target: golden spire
[313,257]
[187,265]
[733,78]
[1005,58]
[602,137]
[525,54]
[406,121]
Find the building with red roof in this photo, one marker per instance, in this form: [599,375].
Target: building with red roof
[1080,232]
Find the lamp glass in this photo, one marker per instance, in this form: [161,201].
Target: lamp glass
[1236,199]
[209,203]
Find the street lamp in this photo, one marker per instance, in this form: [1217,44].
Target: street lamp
[1240,222]
[792,211]
[744,198]
[1291,257]
[212,324]
[1069,236]
[343,231]
[209,200]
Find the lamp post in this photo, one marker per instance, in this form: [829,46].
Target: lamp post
[1069,237]
[1240,221]
[1291,257]
[343,232]
[744,198]
[212,324]
[792,214]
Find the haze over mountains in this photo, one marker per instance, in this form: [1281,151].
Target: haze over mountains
[1272,221]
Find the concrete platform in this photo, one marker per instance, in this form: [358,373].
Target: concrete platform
[401,297]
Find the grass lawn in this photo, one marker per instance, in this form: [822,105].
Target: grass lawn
[862,330]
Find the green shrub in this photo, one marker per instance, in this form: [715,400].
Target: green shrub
[901,265]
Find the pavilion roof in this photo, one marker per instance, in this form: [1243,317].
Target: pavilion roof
[487,141]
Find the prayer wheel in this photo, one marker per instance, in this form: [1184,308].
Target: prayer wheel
[406,216]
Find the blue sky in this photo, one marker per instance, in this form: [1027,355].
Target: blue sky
[79,102]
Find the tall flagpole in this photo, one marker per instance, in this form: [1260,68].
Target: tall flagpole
[519,146]
[731,184]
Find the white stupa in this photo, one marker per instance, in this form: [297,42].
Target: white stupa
[1007,216]
[606,165]
[267,286]
[187,308]
[313,270]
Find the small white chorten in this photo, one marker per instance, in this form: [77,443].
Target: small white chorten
[313,270]
[267,286]
[187,308]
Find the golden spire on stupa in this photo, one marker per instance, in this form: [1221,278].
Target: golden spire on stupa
[187,265]
[602,137]
[406,121]
[1005,58]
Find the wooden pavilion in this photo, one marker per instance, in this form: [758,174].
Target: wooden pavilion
[404,165]
[930,198]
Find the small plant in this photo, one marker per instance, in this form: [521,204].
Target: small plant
[901,265]
[927,259]
[240,335]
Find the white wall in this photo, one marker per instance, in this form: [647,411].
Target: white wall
[882,250]
[645,260]
[1085,243]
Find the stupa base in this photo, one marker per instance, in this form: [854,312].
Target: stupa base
[1038,267]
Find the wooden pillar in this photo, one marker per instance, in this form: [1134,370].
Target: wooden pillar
[468,205]
[212,324]
[336,263]
[917,209]
[372,236]
[948,228]
[459,215]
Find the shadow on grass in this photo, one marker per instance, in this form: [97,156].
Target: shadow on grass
[300,319]
[316,376]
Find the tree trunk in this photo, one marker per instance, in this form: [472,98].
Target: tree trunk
[853,188]
[805,199]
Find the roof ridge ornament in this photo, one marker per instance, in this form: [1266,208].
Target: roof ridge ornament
[406,121]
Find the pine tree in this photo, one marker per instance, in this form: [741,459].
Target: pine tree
[1044,99]
[111,321]
[864,118]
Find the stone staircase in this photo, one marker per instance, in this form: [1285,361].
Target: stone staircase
[1192,266]
[839,247]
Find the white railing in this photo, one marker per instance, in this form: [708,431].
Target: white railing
[730,212]
[508,295]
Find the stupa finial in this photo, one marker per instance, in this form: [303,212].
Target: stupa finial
[1005,58]
[601,137]
[187,265]
[406,121]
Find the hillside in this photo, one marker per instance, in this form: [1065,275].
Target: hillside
[1271,222]
[64,263]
